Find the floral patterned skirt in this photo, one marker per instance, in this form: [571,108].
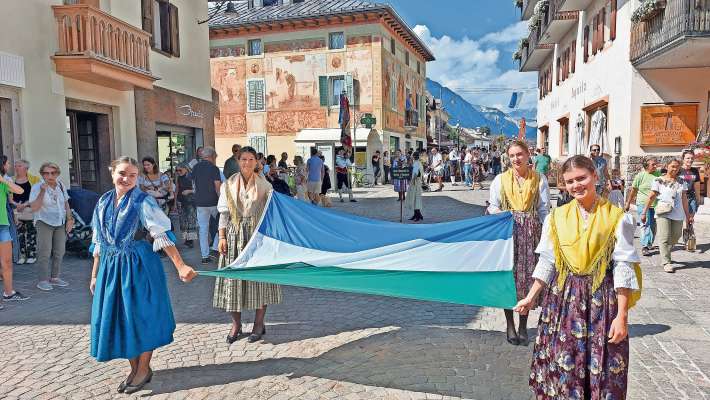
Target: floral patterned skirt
[527,230]
[572,358]
[188,221]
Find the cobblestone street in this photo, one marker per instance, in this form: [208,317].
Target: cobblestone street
[324,345]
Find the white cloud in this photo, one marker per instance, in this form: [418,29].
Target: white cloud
[472,64]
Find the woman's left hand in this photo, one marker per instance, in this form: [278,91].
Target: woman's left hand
[619,330]
[186,273]
[70,225]
[689,219]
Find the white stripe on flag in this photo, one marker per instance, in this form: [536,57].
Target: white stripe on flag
[414,255]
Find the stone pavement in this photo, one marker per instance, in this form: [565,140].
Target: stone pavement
[325,345]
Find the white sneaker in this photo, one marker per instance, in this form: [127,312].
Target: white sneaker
[58,282]
[21,261]
[44,285]
[670,268]
[31,260]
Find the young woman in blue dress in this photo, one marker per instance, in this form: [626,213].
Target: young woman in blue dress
[131,313]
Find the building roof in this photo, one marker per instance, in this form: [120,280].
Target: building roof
[309,9]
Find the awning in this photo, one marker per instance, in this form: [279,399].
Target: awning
[331,135]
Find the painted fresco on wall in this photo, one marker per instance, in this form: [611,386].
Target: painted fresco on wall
[359,64]
[293,121]
[228,51]
[295,45]
[228,79]
[359,41]
[292,81]
[406,77]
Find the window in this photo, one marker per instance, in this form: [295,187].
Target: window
[394,145]
[337,83]
[254,47]
[564,136]
[393,94]
[336,40]
[331,87]
[256,93]
[393,46]
[160,18]
[406,58]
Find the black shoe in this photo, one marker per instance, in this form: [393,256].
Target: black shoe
[188,243]
[255,337]
[523,338]
[512,338]
[17,296]
[353,201]
[414,218]
[206,260]
[123,385]
[232,339]
[131,388]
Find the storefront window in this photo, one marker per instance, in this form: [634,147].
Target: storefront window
[174,148]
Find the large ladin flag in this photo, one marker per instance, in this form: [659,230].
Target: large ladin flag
[464,262]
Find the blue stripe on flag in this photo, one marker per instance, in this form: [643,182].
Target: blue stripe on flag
[301,224]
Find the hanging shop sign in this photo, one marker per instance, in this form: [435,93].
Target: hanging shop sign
[668,125]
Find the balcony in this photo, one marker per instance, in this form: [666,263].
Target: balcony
[676,37]
[575,5]
[526,11]
[98,48]
[411,118]
[555,22]
[536,53]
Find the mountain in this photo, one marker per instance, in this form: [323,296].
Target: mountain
[472,116]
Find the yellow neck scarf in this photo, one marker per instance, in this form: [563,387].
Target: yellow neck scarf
[587,251]
[523,197]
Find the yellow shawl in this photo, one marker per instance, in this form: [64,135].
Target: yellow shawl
[519,198]
[587,251]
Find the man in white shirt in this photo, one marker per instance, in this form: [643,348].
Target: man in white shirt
[453,165]
[437,165]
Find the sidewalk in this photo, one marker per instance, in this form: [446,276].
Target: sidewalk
[325,345]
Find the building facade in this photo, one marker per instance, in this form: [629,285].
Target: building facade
[279,69]
[85,81]
[632,76]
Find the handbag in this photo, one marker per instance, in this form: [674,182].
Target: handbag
[25,215]
[663,207]
[689,238]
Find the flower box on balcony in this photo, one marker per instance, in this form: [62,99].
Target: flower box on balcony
[648,10]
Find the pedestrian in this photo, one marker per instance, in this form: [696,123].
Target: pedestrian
[315,171]
[26,231]
[524,192]
[386,166]
[589,274]
[198,157]
[301,177]
[376,165]
[453,165]
[273,176]
[437,166]
[600,163]
[326,185]
[283,166]
[131,315]
[242,202]
[7,187]
[414,192]
[467,160]
[691,176]
[207,182]
[495,161]
[342,165]
[186,201]
[231,166]
[400,185]
[542,161]
[640,191]
[49,201]
[670,211]
[616,195]
[157,185]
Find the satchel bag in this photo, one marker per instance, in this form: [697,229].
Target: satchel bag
[689,238]
[663,207]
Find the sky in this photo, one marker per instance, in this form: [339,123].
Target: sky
[473,42]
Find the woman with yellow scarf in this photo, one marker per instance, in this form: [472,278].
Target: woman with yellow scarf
[526,194]
[589,270]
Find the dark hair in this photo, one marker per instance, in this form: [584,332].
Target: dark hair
[578,161]
[270,159]
[647,160]
[152,161]
[3,161]
[249,149]
[314,151]
[672,160]
[691,152]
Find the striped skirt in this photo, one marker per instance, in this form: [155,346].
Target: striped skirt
[236,295]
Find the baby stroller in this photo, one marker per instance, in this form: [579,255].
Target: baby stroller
[82,203]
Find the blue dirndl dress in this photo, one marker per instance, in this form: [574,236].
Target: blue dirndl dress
[131,311]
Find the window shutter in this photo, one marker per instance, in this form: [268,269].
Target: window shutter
[323,90]
[595,34]
[585,56]
[350,89]
[602,25]
[256,95]
[574,55]
[147,11]
[422,107]
[612,22]
[174,31]
[557,79]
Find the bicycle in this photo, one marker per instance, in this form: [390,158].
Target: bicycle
[362,178]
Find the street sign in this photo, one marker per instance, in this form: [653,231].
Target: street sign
[368,120]
[402,173]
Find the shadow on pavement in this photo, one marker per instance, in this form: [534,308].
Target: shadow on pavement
[641,330]
[467,364]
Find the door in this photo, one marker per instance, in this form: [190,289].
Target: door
[83,151]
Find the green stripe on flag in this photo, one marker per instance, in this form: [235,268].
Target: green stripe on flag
[490,289]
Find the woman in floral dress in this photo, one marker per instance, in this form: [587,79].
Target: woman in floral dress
[589,271]
[525,193]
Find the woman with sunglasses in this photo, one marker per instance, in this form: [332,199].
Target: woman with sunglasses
[49,201]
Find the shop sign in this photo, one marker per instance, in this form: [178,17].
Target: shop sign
[668,125]
[187,111]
